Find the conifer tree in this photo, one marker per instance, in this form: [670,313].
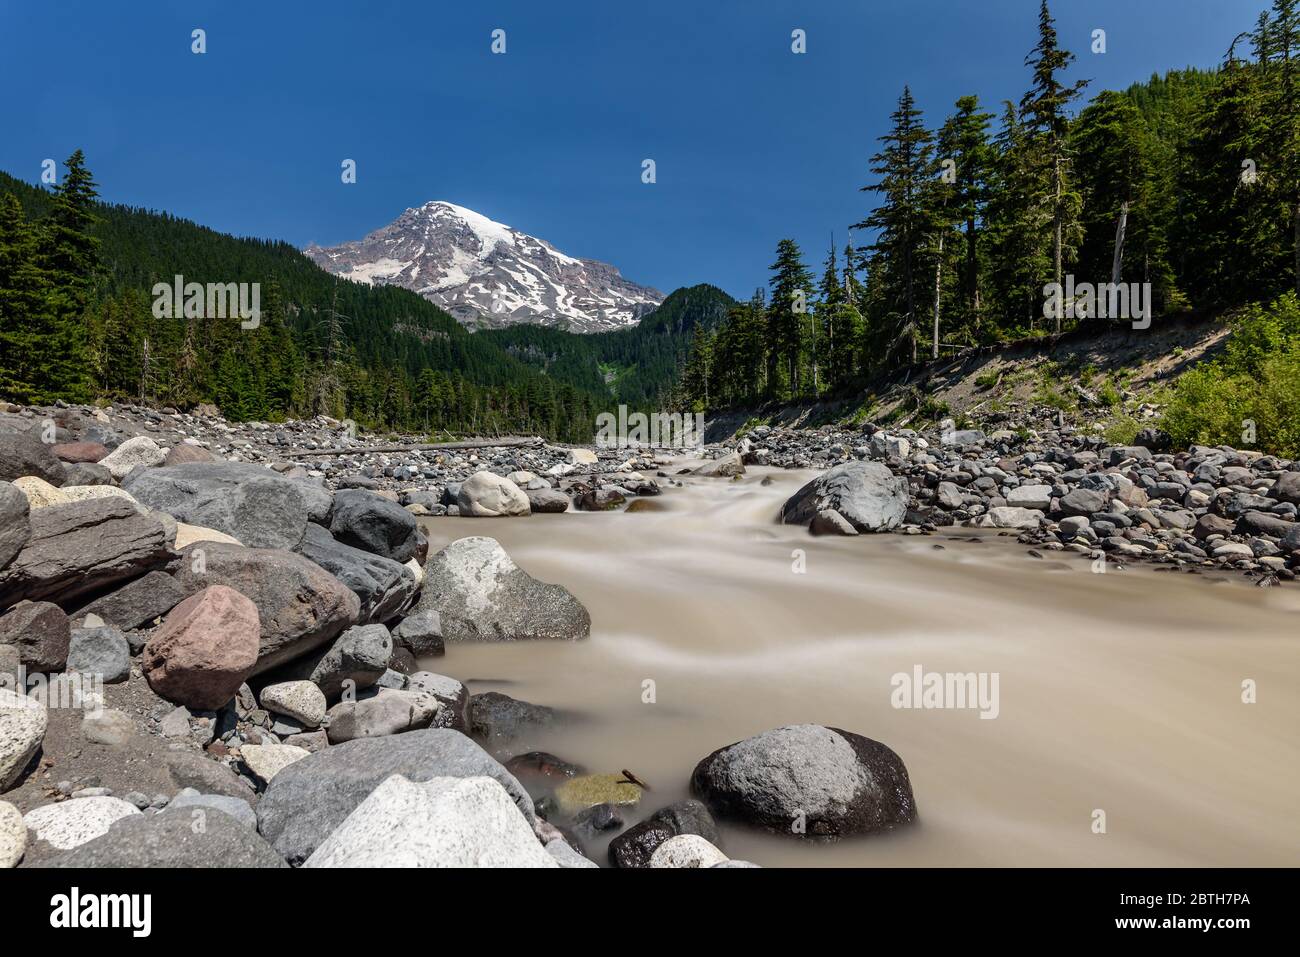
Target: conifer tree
[787,312]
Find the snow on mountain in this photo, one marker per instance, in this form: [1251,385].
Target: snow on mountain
[487,274]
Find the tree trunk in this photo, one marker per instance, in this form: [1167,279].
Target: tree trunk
[972,273]
[938,276]
[1117,263]
[1057,238]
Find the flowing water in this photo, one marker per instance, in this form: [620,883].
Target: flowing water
[1119,692]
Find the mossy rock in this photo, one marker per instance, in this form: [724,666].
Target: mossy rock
[589,790]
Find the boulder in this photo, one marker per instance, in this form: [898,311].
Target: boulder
[301,700]
[81,548]
[79,493]
[387,711]
[687,850]
[1286,488]
[726,466]
[481,595]
[1085,501]
[356,660]
[182,453]
[138,452]
[237,808]
[108,726]
[499,719]
[583,457]
[15,527]
[102,652]
[867,494]
[259,507]
[382,586]
[1011,516]
[172,840]
[137,603]
[1037,497]
[73,823]
[309,799]
[40,493]
[547,500]
[265,761]
[22,453]
[807,779]
[374,524]
[22,728]
[13,836]
[450,693]
[421,634]
[82,474]
[300,605]
[205,648]
[830,522]
[79,452]
[487,495]
[600,500]
[40,632]
[635,846]
[441,822]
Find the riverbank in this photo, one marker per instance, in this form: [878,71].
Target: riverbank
[266,611]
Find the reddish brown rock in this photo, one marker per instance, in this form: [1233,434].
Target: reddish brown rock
[204,649]
[40,631]
[80,451]
[181,453]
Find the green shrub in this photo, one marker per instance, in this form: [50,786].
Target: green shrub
[1256,381]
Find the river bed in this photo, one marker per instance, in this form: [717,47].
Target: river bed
[1118,692]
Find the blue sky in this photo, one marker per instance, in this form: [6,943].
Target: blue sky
[751,141]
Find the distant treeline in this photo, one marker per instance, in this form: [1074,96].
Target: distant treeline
[1189,182]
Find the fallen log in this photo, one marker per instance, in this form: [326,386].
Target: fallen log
[427,447]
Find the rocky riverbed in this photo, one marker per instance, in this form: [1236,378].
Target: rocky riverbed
[235,624]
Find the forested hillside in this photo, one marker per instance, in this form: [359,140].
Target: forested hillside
[76,322]
[1189,182]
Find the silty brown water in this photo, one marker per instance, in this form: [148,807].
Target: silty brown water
[1119,692]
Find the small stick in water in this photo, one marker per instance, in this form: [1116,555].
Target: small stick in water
[630,778]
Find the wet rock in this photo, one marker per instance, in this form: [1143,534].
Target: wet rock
[588,790]
[725,466]
[807,779]
[830,522]
[866,494]
[300,605]
[442,822]
[499,719]
[481,595]
[544,770]
[635,846]
[600,500]
[311,797]
[566,856]
[205,648]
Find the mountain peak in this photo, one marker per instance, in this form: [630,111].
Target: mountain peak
[486,273]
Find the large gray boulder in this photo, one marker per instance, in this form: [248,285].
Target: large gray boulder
[22,729]
[867,494]
[357,659]
[383,586]
[300,605]
[443,822]
[374,524]
[82,548]
[310,798]
[255,505]
[487,495]
[481,595]
[807,780]
[23,453]
[174,839]
[15,528]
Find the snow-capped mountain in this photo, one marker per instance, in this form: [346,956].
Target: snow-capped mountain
[487,274]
